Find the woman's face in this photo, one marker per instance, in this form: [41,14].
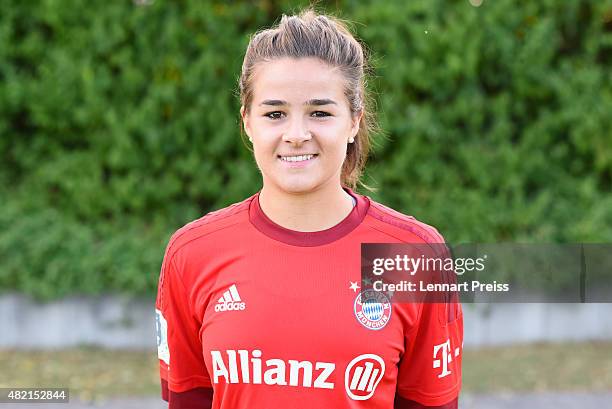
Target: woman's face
[300,124]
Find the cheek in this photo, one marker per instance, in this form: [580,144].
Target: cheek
[262,153]
[342,149]
[264,149]
[334,139]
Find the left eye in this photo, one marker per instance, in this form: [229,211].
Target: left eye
[320,114]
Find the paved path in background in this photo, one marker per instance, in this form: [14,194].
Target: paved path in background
[556,400]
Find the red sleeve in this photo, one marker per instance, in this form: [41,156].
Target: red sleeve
[429,373]
[198,398]
[430,369]
[184,379]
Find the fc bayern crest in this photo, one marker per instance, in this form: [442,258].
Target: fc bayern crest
[372,309]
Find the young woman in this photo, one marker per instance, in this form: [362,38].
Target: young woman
[259,304]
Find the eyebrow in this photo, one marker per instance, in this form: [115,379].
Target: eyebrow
[316,101]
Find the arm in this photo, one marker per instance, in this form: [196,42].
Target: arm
[187,385]
[198,398]
[429,372]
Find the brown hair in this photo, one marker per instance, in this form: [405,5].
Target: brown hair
[327,38]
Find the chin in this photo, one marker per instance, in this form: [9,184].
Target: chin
[297,186]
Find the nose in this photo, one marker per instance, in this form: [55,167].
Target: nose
[297,133]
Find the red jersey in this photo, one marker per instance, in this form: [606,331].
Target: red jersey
[273,318]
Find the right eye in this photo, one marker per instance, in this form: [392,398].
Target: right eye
[274,115]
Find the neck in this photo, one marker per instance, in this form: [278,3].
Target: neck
[306,212]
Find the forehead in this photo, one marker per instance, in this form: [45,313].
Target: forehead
[297,79]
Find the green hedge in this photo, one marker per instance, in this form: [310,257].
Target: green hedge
[119,123]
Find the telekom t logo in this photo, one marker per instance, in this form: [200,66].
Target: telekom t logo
[362,376]
[447,357]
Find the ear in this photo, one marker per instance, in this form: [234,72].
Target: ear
[356,120]
[245,121]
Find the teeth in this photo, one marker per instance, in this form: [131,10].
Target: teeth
[296,158]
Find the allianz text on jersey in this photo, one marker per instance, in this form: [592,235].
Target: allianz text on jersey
[361,376]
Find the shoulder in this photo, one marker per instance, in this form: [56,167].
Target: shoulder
[404,227]
[210,226]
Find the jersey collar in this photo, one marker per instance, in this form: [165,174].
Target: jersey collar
[308,239]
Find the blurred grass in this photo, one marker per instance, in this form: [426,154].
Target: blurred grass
[89,373]
[539,367]
[93,373]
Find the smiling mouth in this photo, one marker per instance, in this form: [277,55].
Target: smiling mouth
[297,158]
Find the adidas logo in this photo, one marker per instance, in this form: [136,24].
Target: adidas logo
[230,301]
